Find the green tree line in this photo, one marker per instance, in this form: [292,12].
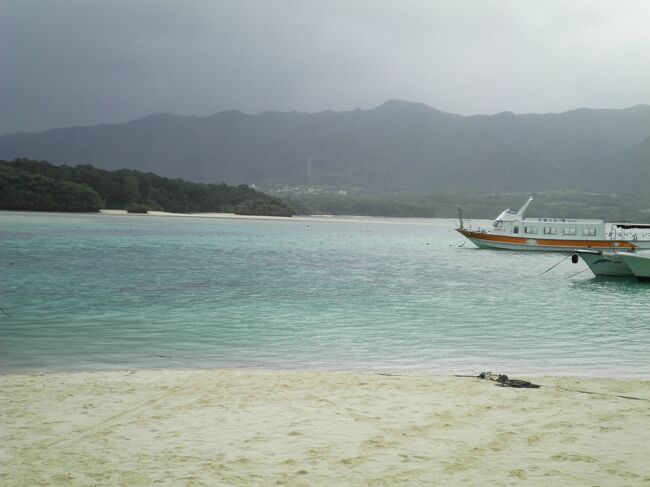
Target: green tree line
[634,207]
[37,185]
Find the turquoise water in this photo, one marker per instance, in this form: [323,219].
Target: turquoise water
[99,292]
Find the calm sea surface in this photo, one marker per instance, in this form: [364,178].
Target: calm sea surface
[99,292]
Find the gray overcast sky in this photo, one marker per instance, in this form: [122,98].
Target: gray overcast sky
[84,62]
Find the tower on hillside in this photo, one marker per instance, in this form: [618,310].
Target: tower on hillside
[309,169]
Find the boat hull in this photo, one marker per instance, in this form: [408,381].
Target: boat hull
[639,264]
[486,240]
[605,263]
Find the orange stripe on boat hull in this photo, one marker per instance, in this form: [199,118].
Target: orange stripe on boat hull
[495,238]
[533,242]
[586,243]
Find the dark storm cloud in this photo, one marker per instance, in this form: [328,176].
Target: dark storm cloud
[83,62]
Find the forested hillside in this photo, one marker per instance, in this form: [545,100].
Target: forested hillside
[37,185]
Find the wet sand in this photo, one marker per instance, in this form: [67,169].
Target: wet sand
[233,427]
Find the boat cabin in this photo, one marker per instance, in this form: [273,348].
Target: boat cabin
[514,223]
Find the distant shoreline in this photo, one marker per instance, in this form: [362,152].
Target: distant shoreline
[232,216]
[302,218]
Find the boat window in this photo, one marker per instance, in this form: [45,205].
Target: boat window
[550,230]
[589,232]
[530,229]
[498,224]
[515,229]
[570,231]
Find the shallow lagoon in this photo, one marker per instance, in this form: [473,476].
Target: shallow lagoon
[89,292]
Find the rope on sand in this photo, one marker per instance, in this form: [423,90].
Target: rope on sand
[503,381]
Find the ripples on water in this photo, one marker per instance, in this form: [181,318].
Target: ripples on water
[112,292]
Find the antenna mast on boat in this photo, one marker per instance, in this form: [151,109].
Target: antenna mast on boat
[460,216]
[523,209]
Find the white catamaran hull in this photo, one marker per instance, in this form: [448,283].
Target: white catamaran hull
[638,264]
[605,263]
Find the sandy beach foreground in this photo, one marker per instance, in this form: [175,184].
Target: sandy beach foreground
[228,427]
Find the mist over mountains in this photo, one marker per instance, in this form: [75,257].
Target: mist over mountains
[398,146]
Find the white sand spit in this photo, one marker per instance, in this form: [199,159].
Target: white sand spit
[444,222]
[239,428]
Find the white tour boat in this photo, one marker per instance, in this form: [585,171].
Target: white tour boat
[513,231]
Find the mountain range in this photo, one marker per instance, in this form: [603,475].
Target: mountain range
[399,146]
